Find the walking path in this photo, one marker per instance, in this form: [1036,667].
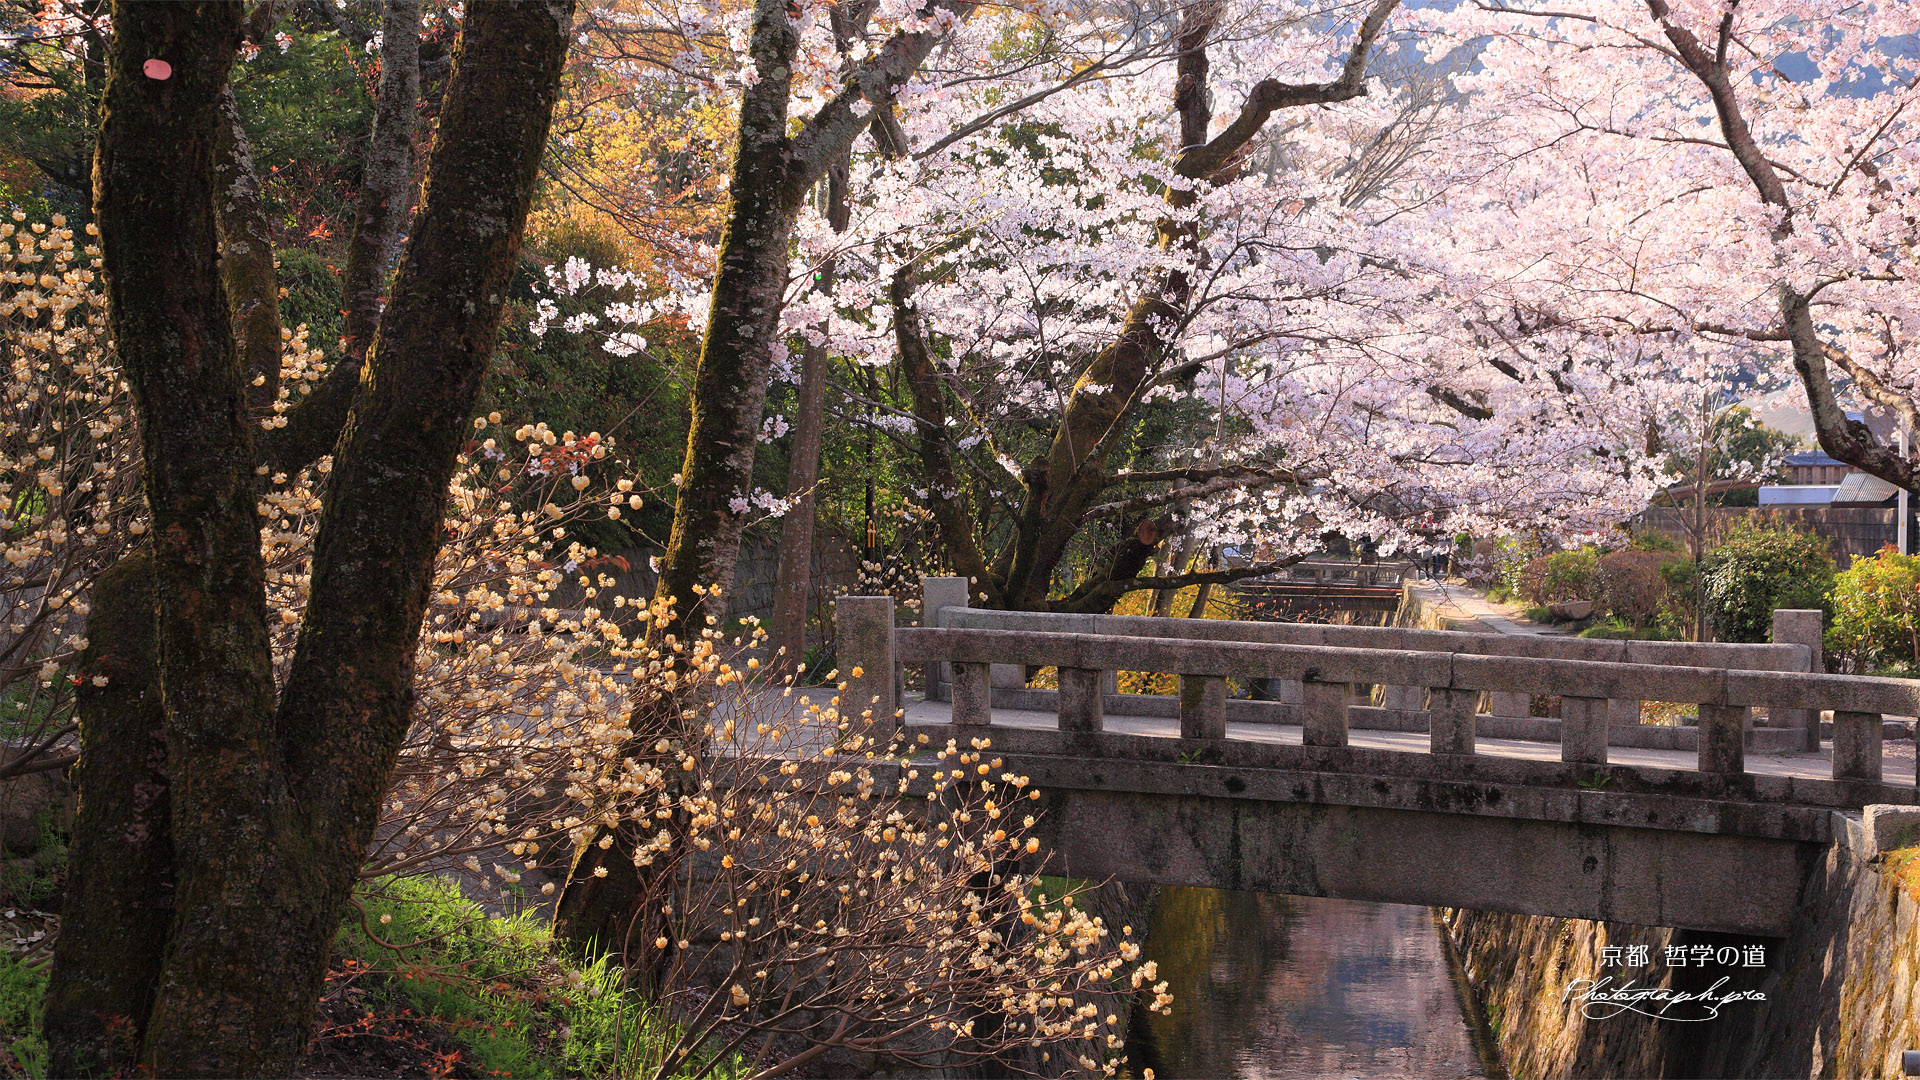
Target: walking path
[1456,600]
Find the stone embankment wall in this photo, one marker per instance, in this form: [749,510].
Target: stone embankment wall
[1422,608]
[1839,990]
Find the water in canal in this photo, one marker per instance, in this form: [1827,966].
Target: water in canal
[1295,988]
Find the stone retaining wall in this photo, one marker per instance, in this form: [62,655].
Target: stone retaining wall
[1839,988]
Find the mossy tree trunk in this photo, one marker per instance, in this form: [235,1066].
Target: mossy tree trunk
[272,802]
[793,583]
[246,257]
[773,170]
[386,176]
[120,863]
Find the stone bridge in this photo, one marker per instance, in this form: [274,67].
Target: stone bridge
[1274,795]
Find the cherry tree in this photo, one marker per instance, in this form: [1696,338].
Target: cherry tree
[1251,327]
[1729,185]
[1120,318]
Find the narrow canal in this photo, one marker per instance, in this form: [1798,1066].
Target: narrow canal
[1295,988]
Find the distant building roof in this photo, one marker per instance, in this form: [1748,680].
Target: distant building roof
[1811,457]
[1797,494]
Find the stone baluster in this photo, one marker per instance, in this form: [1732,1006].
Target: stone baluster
[1583,730]
[863,626]
[972,694]
[1723,738]
[1203,707]
[1856,745]
[1324,713]
[1080,698]
[1800,626]
[937,593]
[1450,720]
[1623,711]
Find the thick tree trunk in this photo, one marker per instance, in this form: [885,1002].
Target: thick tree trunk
[154,192]
[772,173]
[385,199]
[743,322]
[386,182]
[794,581]
[120,864]
[246,257]
[349,693]
[271,811]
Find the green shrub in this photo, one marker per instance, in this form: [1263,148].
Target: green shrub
[1561,576]
[1760,567]
[1630,586]
[1507,560]
[1655,540]
[313,297]
[1876,609]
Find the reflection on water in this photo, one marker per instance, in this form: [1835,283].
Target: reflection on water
[1289,988]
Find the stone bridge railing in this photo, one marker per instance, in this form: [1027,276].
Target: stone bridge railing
[1451,676]
[1707,847]
[1796,646]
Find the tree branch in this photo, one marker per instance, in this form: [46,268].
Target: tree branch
[1210,160]
[830,134]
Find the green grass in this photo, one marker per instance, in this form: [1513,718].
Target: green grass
[498,988]
[1615,630]
[23,991]
[497,985]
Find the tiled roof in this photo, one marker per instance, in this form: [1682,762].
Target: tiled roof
[1812,457]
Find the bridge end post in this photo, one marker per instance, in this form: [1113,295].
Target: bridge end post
[1801,626]
[937,593]
[972,694]
[1450,719]
[1723,738]
[863,626]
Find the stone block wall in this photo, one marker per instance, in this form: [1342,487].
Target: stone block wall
[1839,988]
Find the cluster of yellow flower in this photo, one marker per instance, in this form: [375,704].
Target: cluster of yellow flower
[806,880]
[69,468]
[871,894]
